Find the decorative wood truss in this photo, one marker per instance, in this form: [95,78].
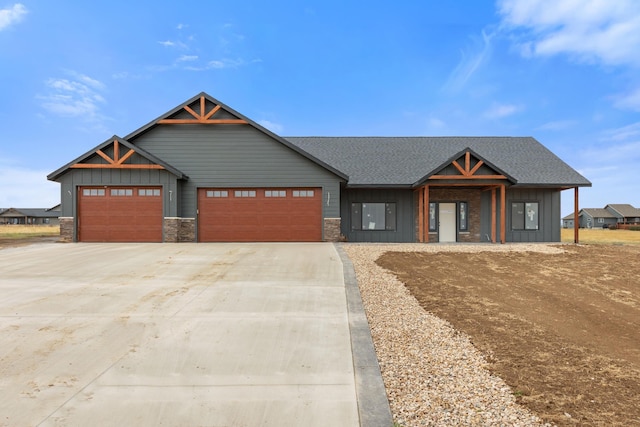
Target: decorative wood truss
[204,117]
[115,162]
[469,174]
[469,170]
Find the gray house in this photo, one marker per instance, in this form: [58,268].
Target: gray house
[591,218]
[626,214]
[204,172]
[30,216]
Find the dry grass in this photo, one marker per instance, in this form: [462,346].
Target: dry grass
[600,236]
[28,231]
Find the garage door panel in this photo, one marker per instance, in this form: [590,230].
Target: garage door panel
[259,218]
[120,214]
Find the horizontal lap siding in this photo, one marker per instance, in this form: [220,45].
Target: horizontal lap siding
[217,156]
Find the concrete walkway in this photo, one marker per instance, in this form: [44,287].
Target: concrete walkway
[185,334]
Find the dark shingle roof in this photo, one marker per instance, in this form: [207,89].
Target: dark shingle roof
[598,213]
[625,210]
[404,161]
[30,212]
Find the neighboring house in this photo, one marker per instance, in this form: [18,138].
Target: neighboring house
[32,216]
[625,214]
[204,172]
[591,218]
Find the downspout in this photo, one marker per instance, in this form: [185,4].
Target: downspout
[576,221]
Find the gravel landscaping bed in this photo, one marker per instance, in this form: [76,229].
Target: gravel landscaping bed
[433,374]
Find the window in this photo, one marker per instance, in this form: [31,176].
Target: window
[275,193]
[121,192]
[433,217]
[373,216]
[524,216]
[463,216]
[145,192]
[303,193]
[217,193]
[600,220]
[245,193]
[93,192]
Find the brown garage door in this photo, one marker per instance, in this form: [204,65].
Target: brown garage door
[260,214]
[120,214]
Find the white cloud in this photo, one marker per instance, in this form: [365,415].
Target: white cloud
[12,15]
[558,125]
[76,96]
[187,58]
[29,188]
[221,64]
[435,123]
[472,59]
[602,31]
[498,111]
[628,101]
[622,133]
[170,43]
[272,126]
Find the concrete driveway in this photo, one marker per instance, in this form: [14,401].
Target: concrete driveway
[177,335]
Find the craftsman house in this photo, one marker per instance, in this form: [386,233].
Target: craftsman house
[608,217]
[30,216]
[204,172]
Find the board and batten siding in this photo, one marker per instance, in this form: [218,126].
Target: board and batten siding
[549,215]
[405,221]
[233,155]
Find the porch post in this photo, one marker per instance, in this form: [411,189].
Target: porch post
[494,207]
[426,213]
[503,213]
[576,220]
[420,216]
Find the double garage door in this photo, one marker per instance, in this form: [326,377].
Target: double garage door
[134,214]
[259,214]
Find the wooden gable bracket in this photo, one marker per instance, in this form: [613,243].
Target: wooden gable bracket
[116,162]
[202,118]
[467,172]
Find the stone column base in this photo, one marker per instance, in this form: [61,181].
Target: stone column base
[187,231]
[67,224]
[332,230]
[179,230]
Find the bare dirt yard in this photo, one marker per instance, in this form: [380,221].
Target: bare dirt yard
[562,330]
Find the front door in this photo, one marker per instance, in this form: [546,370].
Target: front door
[447,226]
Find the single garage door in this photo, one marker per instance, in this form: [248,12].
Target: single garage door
[120,214]
[260,214]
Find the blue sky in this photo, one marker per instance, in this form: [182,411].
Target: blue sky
[74,73]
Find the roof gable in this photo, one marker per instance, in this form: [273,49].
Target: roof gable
[204,109]
[466,165]
[624,210]
[116,153]
[597,213]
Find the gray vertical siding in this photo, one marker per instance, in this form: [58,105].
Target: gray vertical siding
[235,156]
[405,218]
[549,215]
